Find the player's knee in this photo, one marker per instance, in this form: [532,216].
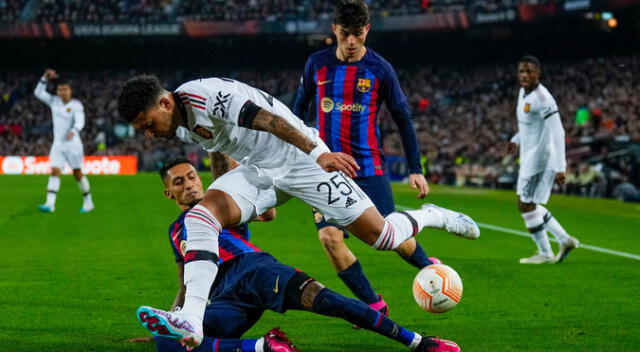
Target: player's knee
[222,207]
[526,207]
[55,171]
[331,237]
[77,174]
[310,293]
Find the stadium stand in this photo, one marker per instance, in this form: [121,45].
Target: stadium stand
[463,115]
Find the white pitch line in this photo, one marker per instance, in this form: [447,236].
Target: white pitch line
[528,235]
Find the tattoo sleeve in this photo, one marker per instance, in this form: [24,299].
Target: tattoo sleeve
[277,125]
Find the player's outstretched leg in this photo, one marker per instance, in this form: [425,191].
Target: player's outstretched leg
[326,302]
[275,340]
[389,232]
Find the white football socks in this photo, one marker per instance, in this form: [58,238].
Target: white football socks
[203,230]
[398,228]
[427,217]
[534,221]
[260,345]
[83,184]
[554,226]
[53,186]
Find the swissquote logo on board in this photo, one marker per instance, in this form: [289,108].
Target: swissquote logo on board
[202,132]
[364,85]
[327,105]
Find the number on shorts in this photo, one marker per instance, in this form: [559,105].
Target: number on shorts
[337,185]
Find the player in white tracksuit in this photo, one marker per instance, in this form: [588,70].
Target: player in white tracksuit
[68,120]
[542,162]
[279,158]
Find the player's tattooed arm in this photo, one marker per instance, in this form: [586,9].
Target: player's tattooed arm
[277,125]
[221,163]
[281,128]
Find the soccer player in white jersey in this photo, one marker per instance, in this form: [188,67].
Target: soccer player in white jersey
[542,162]
[279,158]
[68,121]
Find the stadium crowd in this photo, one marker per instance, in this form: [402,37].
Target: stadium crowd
[157,11]
[464,117]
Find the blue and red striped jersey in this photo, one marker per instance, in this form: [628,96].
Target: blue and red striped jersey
[232,242]
[344,100]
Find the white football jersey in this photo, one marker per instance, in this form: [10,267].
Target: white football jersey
[540,133]
[216,110]
[66,116]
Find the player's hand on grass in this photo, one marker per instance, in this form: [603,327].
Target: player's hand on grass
[140,339]
[417,181]
[339,162]
[561,178]
[512,148]
[50,74]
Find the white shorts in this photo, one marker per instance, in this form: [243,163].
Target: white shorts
[537,188]
[70,152]
[336,196]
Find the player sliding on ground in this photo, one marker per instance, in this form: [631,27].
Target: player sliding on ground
[280,158]
[542,162]
[251,281]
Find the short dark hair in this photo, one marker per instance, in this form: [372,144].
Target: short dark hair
[137,95]
[164,170]
[531,59]
[62,80]
[351,14]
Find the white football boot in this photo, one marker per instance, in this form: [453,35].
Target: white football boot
[567,247]
[456,223]
[173,325]
[539,259]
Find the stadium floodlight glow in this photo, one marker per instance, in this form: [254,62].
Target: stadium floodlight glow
[607,16]
[612,22]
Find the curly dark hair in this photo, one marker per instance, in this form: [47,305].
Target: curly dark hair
[137,95]
[531,59]
[164,170]
[351,14]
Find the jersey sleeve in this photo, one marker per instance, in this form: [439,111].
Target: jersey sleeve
[174,232]
[78,117]
[41,92]
[306,92]
[217,101]
[399,107]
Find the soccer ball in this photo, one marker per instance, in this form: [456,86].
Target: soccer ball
[437,288]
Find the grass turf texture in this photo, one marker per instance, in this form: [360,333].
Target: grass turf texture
[72,282]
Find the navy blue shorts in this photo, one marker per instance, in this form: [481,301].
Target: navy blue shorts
[244,288]
[378,188]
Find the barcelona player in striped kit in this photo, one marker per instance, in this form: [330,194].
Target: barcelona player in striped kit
[343,88]
[251,281]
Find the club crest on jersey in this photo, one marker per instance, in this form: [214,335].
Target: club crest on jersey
[202,132]
[68,109]
[326,104]
[364,85]
[527,108]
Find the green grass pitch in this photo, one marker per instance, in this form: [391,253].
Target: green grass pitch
[72,282]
